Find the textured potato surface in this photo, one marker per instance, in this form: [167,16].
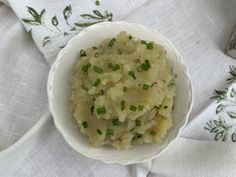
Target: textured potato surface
[122,92]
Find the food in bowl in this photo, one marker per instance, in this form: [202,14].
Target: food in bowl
[122,92]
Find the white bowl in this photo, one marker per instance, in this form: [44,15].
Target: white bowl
[59,90]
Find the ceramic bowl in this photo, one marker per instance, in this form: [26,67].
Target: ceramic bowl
[59,91]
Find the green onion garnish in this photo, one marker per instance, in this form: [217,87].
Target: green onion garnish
[125,89]
[122,105]
[130,37]
[154,83]
[94,48]
[91,109]
[119,51]
[85,124]
[153,133]
[144,66]
[165,107]
[133,108]
[86,67]
[110,132]
[140,107]
[145,87]
[97,82]
[111,42]
[97,69]
[149,46]
[99,131]
[143,42]
[116,122]
[82,53]
[137,123]
[115,67]
[158,107]
[131,73]
[101,110]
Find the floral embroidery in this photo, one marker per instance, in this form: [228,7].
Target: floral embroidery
[37,19]
[224,127]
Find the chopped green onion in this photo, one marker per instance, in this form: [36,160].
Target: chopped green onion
[145,87]
[137,123]
[82,53]
[116,122]
[158,107]
[95,54]
[101,110]
[115,67]
[97,3]
[122,105]
[154,83]
[99,131]
[110,132]
[131,73]
[140,107]
[130,37]
[91,109]
[153,133]
[94,48]
[97,69]
[86,67]
[149,46]
[111,42]
[125,89]
[97,82]
[102,92]
[133,108]
[119,51]
[85,124]
[143,42]
[165,107]
[110,65]
[144,66]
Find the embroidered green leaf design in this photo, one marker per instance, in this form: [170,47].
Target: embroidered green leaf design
[233,137]
[67,12]
[54,21]
[46,40]
[219,108]
[86,24]
[232,72]
[233,92]
[219,135]
[219,95]
[37,18]
[232,115]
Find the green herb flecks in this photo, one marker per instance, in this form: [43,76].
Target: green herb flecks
[94,48]
[153,133]
[137,123]
[140,107]
[116,122]
[99,131]
[101,110]
[112,41]
[119,51]
[82,53]
[92,109]
[145,87]
[86,67]
[125,89]
[97,82]
[154,83]
[85,124]
[165,107]
[97,69]
[149,46]
[109,132]
[131,73]
[122,105]
[133,108]
[144,66]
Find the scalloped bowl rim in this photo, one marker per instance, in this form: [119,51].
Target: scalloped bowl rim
[146,158]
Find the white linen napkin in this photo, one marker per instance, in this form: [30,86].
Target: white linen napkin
[53,27]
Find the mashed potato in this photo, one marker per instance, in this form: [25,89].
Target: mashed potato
[122,92]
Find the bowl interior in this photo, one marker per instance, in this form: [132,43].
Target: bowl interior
[59,90]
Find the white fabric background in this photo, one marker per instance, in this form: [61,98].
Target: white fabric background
[199,29]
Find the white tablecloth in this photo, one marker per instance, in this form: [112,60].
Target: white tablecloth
[199,29]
